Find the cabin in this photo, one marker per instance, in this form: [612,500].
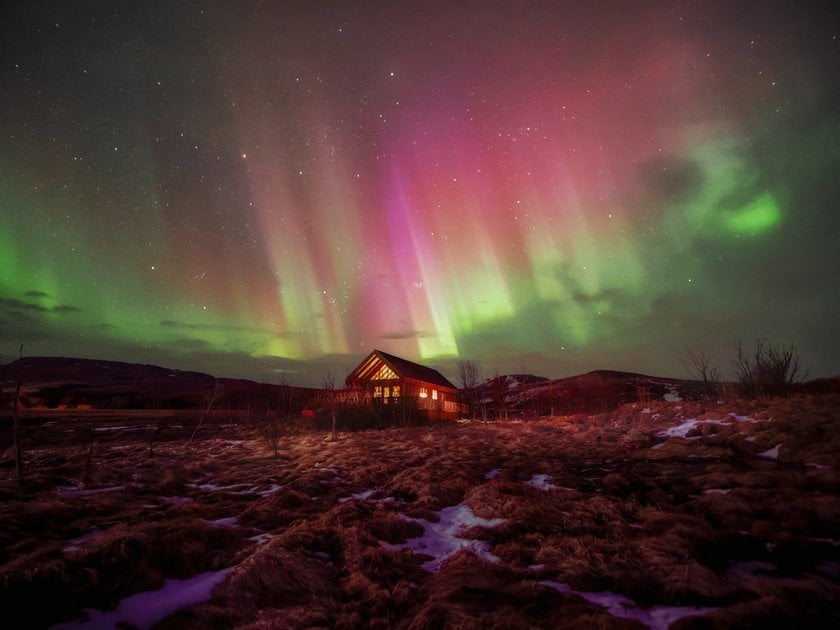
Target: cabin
[385,379]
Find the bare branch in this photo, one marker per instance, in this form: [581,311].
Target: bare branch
[772,369]
[698,361]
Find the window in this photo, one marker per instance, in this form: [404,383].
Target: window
[384,374]
[387,392]
[395,391]
[434,394]
[377,392]
[424,393]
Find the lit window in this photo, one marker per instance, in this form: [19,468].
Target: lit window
[387,392]
[384,374]
[395,392]
[377,392]
[424,393]
[434,394]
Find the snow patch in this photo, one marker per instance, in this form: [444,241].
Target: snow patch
[541,482]
[144,610]
[772,453]
[77,543]
[321,555]
[275,487]
[177,500]
[261,539]
[236,488]
[492,474]
[682,430]
[441,540]
[231,522]
[717,491]
[672,395]
[738,418]
[208,487]
[656,617]
[82,492]
[360,496]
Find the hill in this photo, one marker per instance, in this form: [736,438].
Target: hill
[600,390]
[70,383]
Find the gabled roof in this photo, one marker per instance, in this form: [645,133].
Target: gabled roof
[402,367]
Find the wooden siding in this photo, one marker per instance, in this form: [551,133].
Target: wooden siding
[379,373]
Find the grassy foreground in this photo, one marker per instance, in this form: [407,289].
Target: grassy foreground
[700,515]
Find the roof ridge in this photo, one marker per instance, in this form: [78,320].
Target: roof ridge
[412,369]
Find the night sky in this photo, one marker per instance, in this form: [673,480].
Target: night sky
[274,189]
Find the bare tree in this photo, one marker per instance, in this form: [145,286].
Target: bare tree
[698,361]
[18,438]
[263,417]
[154,423]
[499,392]
[771,370]
[276,418]
[211,398]
[469,375]
[271,428]
[330,400]
[88,475]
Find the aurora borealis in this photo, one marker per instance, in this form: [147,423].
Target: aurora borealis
[277,188]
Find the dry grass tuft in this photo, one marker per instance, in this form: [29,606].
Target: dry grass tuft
[275,577]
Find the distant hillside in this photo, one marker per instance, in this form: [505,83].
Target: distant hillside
[525,394]
[61,382]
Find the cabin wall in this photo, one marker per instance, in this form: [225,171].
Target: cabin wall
[436,402]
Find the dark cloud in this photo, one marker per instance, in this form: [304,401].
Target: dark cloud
[13,304]
[66,308]
[674,179]
[408,334]
[189,344]
[179,325]
[168,323]
[612,296]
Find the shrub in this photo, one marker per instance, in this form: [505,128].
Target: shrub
[771,369]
